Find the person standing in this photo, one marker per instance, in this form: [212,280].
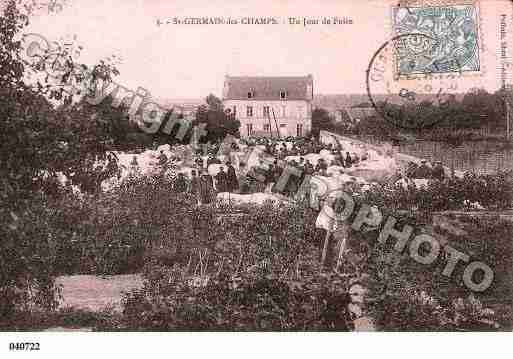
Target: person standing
[180,184]
[438,172]
[326,225]
[232,181]
[309,168]
[206,188]
[162,159]
[221,181]
[194,187]
[349,160]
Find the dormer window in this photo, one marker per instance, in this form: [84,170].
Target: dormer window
[283,94]
[251,93]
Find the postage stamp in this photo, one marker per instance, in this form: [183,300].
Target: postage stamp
[195,167]
[452,40]
[452,45]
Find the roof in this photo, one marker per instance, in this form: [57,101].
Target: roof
[268,88]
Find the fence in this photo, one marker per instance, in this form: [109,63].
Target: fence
[477,156]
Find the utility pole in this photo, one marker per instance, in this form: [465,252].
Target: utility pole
[508,118]
[275,123]
[269,119]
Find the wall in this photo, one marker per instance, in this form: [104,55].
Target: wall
[296,112]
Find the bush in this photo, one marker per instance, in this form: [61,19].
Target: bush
[246,302]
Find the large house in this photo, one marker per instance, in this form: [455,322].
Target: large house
[270,106]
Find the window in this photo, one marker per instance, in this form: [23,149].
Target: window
[283,94]
[251,93]
[283,112]
[249,129]
[249,111]
[267,127]
[234,110]
[299,130]
[266,111]
[283,125]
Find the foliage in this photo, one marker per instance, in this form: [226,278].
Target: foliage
[219,123]
[321,120]
[405,295]
[62,318]
[245,302]
[493,192]
[37,140]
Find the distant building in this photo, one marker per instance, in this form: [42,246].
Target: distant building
[356,114]
[270,105]
[352,115]
[188,107]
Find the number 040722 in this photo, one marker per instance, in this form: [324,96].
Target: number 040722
[27,346]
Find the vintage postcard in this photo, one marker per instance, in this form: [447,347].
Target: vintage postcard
[258,166]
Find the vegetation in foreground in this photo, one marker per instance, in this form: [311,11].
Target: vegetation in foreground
[256,268]
[250,268]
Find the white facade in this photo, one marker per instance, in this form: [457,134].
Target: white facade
[270,106]
[294,117]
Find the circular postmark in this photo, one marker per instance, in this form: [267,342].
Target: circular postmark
[403,96]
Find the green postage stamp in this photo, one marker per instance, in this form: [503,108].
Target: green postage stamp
[444,39]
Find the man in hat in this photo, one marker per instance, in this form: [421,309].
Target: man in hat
[206,187]
[231,178]
[180,184]
[221,181]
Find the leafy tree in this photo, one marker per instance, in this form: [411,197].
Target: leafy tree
[219,123]
[214,103]
[321,120]
[42,132]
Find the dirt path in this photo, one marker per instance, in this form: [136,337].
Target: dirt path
[93,293]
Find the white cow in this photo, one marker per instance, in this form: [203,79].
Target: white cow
[417,182]
[215,168]
[327,156]
[254,198]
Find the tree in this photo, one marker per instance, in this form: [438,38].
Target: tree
[321,120]
[214,103]
[219,123]
[42,132]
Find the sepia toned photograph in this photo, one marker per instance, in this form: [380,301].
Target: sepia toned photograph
[259,166]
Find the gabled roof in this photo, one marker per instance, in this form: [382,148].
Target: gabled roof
[268,88]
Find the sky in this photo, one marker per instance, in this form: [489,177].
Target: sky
[191,61]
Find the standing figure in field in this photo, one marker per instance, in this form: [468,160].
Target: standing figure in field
[206,188]
[162,159]
[180,184]
[221,181]
[195,185]
[438,172]
[349,160]
[232,181]
[326,225]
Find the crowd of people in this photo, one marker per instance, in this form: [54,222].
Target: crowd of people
[425,171]
[261,177]
[264,176]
